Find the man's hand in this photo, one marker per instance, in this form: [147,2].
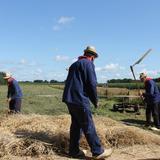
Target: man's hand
[141,95]
[97,105]
[8,100]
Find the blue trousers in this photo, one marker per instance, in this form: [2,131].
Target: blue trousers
[153,109]
[15,105]
[81,120]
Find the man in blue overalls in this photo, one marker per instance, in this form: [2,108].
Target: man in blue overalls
[152,99]
[80,87]
[14,95]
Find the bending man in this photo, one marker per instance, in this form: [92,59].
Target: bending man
[14,96]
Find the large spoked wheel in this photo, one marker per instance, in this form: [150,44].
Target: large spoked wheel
[115,107]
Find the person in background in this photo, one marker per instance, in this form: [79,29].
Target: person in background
[152,99]
[80,88]
[14,95]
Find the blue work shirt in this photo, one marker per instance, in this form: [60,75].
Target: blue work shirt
[14,90]
[152,94]
[80,86]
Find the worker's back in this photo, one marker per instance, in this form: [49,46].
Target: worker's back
[152,94]
[80,81]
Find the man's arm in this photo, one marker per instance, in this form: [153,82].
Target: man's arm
[91,83]
[149,90]
[11,91]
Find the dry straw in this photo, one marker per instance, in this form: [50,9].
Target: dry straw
[36,136]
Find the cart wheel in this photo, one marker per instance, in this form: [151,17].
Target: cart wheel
[136,109]
[115,107]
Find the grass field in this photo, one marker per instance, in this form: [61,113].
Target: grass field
[132,85]
[39,99]
[41,134]
[46,100]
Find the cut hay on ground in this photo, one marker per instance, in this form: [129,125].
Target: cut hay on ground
[36,135]
[112,91]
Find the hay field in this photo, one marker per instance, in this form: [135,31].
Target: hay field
[41,132]
[46,137]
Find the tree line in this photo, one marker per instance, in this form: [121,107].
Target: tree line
[2,81]
[125,80]
[45,81]
[128,80]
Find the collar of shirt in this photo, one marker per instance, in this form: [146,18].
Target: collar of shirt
[10,80]
[84,57]
[147,79]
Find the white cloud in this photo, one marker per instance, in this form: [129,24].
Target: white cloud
[23,61]
[110,67]
[56,28]
[142,65]
[59,75]
[74,60]
[39,70]
[64,20]
[103,77]
[24,70]
[118,75]
[64,58]
[61,58]
[152,73]
[111,71]
[26,63]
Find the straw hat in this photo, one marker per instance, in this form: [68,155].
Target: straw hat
[91,50]
[7,76]
[142,75]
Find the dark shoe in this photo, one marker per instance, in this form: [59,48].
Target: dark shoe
[147,125]
[80,155]
[11,112]
[17,112]
[105,154]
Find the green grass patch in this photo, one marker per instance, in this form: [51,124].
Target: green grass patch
[45,100]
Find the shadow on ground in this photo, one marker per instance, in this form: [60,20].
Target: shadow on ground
[122,111]
[57,143]
[150,159]
[134,122]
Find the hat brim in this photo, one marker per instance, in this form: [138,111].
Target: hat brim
[91,52]
[142,77]
[6,77]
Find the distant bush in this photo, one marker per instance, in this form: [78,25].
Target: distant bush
[38,81]
[138,85]
[127,85]
[125,80]
[2,81]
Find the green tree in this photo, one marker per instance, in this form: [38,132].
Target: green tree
[2,81]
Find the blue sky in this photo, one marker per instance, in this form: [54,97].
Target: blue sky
[39,39]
